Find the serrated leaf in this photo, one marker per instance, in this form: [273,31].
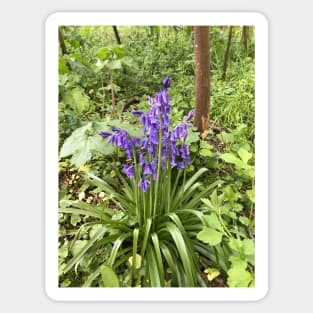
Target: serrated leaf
[109,278]
[210,236]
[207,202]
[212,273]
[244,155]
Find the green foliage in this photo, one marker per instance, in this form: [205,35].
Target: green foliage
[204,232]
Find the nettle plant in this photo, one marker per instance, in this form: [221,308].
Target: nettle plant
[152,233]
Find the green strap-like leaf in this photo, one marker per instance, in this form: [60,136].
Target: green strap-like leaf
[82,252]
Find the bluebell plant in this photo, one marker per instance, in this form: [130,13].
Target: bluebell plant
[161,147]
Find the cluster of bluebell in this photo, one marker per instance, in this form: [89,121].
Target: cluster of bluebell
[158,142]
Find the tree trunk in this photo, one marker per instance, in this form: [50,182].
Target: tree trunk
[61,42]
[117,36]
[245,37]
[202,79]
[227,52]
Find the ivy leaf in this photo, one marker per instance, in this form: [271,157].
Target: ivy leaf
[210,236]
[109,278]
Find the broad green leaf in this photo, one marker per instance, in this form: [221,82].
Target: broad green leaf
[244,220]
[206,146]
[83,142]
[119,51]
[78,246]
[210,236]
[226,137]
[104,53]
[213,221]
[244,155]
[193,136]
[239,277]
[212,273]
[230,194]
[109,278]
[114,65]
[231,158]
[205,152]
[236,261]
[235,244]
[77,99]
[248,246]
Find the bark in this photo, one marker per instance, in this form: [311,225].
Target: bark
[227,52]
[61,42]
[202,79]
[117,36]
[245,37]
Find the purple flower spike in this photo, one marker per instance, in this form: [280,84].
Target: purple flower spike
[105,134]
[166,82]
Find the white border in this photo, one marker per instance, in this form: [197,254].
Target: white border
[51,156]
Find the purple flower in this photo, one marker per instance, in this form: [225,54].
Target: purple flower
[105,134]
[190,115]
[148,169]
[129,170]
[137,113]
[144,184]
[166,82]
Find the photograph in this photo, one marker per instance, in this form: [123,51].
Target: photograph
[153,130]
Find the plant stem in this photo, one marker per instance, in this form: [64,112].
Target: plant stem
[159,169]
